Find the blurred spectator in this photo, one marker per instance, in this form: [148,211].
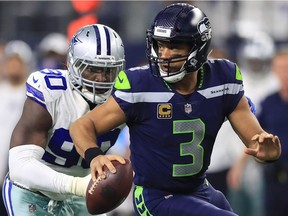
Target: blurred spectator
[246,176]
[18,62]
[267,14]
[274,117]
[52,51]
[255,57]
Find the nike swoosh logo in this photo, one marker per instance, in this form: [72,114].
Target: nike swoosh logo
[35,80]
[120,79]
[168,196]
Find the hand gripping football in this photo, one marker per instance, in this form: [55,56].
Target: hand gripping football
[104,195]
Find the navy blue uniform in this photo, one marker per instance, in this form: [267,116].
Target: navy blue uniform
[172,136]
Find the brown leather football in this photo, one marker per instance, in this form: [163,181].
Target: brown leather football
[104,195]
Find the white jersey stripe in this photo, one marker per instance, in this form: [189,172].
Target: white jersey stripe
[7,195]
[216,91]
[148,97]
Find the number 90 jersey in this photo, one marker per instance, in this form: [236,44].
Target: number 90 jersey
[172,135]
[52,90]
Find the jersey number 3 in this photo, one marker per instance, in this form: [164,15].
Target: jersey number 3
[192,148]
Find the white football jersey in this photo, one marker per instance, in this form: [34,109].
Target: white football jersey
[52,90]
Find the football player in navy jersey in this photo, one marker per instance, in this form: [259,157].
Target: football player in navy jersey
[46,174]
[174,108]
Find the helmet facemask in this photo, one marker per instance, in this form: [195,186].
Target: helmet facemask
[95,91]
[165,68]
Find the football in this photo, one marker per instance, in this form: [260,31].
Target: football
[104,195]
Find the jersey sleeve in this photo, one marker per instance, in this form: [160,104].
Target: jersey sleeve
[34,87]
[45,86]
[127,91]
[235,88]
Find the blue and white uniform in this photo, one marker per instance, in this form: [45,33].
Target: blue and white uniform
[52,90]
[172,137]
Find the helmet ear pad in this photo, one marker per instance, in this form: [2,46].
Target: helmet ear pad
[195,61]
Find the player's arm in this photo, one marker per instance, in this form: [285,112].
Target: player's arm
[85,130]
[262,145]
[28,142]
[33,125]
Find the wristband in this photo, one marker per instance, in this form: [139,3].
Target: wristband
[265,161]
[91,153]
[270,161]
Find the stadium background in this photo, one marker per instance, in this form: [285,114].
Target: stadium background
[232,22]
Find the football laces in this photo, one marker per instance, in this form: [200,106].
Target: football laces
[93,186]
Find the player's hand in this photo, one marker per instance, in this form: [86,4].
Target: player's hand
[266,147]
[98,163]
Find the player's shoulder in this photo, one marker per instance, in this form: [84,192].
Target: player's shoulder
[49,79]
[224,65]
[138,72]
[47,84]
[225,69]
[133,78]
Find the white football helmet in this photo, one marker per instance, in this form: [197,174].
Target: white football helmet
[93,48]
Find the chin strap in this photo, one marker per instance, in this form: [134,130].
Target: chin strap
[175,77]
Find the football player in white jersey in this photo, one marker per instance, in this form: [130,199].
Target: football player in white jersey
[46,174]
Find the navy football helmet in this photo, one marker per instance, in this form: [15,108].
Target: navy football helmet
[179,23]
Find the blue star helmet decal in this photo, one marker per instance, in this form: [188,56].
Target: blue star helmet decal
[75,40]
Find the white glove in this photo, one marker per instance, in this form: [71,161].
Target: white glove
[79,185]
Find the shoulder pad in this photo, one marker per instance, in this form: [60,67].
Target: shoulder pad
[46,85]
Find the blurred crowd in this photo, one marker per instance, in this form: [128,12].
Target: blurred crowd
[17,61]
[252,34]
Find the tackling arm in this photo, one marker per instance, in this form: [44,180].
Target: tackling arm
[28,141]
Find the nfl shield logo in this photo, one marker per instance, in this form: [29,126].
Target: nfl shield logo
[32,208]
[188,108]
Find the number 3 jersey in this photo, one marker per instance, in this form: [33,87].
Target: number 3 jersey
[52,90]
[172,135]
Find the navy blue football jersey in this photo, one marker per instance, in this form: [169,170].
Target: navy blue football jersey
[172,135]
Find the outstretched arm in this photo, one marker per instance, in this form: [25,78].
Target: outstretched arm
[265,147]
[85,130]
[28,141]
